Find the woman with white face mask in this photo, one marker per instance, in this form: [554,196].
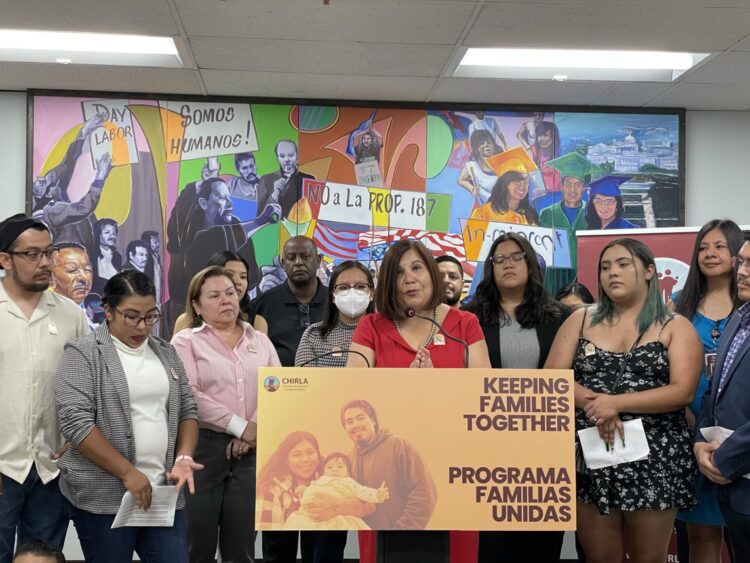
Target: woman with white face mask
[350,294]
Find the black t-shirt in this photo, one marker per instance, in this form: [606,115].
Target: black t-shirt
[287,318]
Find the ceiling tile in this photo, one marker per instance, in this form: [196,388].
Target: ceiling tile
[637,3]
[727,68]
[705,97]
[320,57]
[20,76]
[487,90]
[381,21]
[320,86]
[743,45]
[616,27]
[147,17]
[635,94]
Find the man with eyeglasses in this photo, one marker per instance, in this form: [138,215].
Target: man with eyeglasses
[284,313]
[725,464]
[569,213]
[35,325]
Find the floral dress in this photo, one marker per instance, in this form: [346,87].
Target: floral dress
[662,481]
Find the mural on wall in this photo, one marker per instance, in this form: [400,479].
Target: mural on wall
[161,185]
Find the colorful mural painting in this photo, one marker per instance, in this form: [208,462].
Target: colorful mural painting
[161,185]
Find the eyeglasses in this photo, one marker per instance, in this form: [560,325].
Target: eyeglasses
[515,258]
[738,262]
[342,287]
[35,255]
[132,320]
[605,202]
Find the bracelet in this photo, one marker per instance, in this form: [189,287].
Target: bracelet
[183,458]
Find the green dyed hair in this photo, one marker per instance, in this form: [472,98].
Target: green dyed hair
[654,309]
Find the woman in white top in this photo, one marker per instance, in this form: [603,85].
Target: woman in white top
[125,406]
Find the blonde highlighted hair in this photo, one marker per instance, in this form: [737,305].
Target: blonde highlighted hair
[192,318]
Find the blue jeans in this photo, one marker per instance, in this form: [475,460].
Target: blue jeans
[101,544]
[35,510]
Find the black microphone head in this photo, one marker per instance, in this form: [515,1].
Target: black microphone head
[410,312]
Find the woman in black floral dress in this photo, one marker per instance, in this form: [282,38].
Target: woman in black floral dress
[632,360]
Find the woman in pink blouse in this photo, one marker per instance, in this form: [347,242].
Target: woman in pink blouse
[222,354]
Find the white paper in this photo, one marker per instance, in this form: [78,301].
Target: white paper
[159,514]
[595,451]
[718,434]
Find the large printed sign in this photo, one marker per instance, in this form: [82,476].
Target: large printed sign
[434,450]
[209,129]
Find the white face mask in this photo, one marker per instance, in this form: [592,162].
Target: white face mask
[352,303]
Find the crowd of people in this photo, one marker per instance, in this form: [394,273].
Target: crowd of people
[91,416]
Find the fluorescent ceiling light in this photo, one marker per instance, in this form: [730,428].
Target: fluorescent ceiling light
[87,48]
[544,64]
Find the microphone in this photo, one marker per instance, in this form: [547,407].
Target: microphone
[332,353]
[410,313]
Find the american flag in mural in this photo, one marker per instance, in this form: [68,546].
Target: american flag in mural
[340,244]
[438,243]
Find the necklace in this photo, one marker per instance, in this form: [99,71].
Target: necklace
[430,336]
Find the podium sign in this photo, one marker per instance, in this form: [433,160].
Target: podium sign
[396,449]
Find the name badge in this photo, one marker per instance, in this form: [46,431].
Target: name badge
[335,351]
[251,348]
[52,327]
[589,349]
[439,340]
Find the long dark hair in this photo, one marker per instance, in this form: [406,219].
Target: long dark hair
[537,306]
[332,312]
[221,259]
[499,197]
[592,218]
[696,285]
[277,465]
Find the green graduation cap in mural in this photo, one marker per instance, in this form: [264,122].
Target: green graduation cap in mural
[574,165]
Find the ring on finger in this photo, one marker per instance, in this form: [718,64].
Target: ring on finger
[594,419]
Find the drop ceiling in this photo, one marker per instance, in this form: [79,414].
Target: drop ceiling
[397,50]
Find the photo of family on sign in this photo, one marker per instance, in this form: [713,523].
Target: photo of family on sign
[382,484]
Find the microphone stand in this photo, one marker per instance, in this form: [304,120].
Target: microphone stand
[333,353]
[412,313]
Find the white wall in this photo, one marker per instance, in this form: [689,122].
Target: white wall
[717,166]
[12,153]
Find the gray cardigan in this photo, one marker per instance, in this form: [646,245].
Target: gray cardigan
[92,390]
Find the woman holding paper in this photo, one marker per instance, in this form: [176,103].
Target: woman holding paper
[638,364]
[404,334]
[519,320]
[222,354]
[708,299]
[125,406]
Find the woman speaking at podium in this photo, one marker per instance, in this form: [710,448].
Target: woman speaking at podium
[519,320]
[413,329]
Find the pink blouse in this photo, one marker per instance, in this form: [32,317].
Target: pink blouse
[224,380]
